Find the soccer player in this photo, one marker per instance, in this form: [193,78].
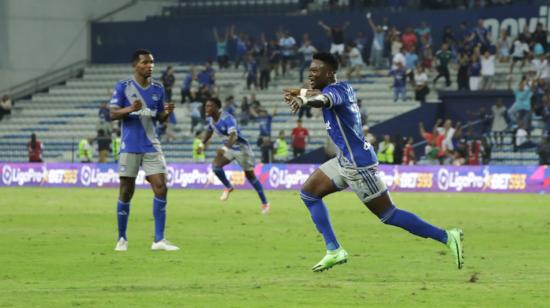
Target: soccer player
[355,166]
[139,103]
[235,148]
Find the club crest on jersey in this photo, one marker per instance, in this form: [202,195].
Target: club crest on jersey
[327,125]
[155,97]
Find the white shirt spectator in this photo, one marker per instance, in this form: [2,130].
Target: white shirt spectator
[287,45]
[355,58]
[307,52]
[521,136]
[398,57]
[541,68]
[420,78]
[521,49]
[488,66]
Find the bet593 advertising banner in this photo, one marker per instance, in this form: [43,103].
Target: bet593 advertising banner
[509,179]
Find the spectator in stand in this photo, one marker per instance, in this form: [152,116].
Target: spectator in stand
[520,51]
[411,61]
[421,89]
[385,150]
[275,56]
[448,36]
[280,148]
[229,105]
[264,65]
[522,138]
[434,150]
[85,150]
[525,35]
[168,79]
[504,45]
[399,82]
[35,148]
[546,114]
[481,36]
[189,84]
[265,120]
[424,33]
[361,43]
[461,154]
[520,111]
[409,158]
[221,49]
[475,152]
[409,39]
[427,57]
[377,47]
[104,117]
[369,137]
[463,76]
[543,150]
[399,146]
[307,50]
[5,106]
[541,36]
[355,61]
[287,44]
[474,72]
[443,58]
[499,122]
[397,52]
[300,138]
[207,78]
[103,146]
[487,71]
[244,116]
[336,35]
[240,46]
[251,72]
[197,111]
[541,68]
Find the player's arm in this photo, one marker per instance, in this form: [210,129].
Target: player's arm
[118,113]
[324,26]
[310,98]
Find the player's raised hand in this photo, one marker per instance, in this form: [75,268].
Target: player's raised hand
[295,104]
[136,105]
[292,91]
[169,107]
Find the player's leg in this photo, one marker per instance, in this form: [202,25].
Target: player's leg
[128,167]
[245,159]
[217,167]
[154,166]
[251,177]
[321,183]
[375,196]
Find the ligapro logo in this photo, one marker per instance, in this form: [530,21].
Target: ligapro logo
[516,25]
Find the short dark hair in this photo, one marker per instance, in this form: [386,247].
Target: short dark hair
[216,101]
[139,52]
[328,59]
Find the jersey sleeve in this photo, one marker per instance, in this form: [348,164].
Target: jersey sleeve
[336,95]
[160,103]
[118,99]
[231,124]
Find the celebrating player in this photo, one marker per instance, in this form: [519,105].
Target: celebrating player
[139,104]
[355,166]
[234,148]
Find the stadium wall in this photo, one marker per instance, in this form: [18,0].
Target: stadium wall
[41,36]
[190,39]
[490,179]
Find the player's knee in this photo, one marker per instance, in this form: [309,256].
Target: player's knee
[308,197]
[387,214]
[160,189]
[250,176]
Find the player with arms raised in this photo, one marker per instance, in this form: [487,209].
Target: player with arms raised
[139,104]
[236,147]
[355,166]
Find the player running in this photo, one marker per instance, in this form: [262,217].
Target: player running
[139,104]
[234,148]
[355,166]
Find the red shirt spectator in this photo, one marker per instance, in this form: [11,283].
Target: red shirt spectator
[299,135]
[475,150]
[409,39]
[35,150]
[408,154]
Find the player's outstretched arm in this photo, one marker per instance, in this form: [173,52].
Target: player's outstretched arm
[118,113]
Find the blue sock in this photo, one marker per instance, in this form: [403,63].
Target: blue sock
[260,190]
[159,213]
[221,175]
[413,224]
[122,211]
[319,214]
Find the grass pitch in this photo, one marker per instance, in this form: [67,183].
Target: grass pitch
[56,250]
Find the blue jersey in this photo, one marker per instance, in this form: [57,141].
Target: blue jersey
[226,125]
[343,124]
[138,134]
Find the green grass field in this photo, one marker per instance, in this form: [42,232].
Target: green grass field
[56,249]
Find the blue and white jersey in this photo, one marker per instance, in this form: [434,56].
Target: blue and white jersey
[226,125]
[138,134]
[343,124]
